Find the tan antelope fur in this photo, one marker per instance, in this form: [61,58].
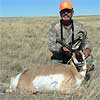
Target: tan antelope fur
[59,77]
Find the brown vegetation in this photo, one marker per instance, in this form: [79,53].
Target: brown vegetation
[23,44]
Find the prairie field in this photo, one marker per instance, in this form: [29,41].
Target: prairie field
[24,44]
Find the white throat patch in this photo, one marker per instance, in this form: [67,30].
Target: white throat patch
[48,82]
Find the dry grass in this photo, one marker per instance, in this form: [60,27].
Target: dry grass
[23,44]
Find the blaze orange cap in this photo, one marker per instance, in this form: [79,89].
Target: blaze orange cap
[66,5]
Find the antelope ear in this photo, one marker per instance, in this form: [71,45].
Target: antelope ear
[74,58]
[83,56]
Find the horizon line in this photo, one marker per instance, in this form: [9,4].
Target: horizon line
[45,16]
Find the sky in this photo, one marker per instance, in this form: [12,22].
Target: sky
[30,8]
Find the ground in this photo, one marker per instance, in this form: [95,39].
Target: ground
[23,44]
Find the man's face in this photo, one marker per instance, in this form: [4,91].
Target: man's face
[67,15]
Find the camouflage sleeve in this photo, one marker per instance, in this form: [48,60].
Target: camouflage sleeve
[83,34]
[52,37]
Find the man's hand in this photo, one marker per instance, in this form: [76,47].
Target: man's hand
[87,52]
[66,50]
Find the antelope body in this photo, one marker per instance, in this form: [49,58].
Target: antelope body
[59,77]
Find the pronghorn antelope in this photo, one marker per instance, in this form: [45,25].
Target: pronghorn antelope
[60,77]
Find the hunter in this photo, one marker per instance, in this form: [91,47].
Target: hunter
[71,33]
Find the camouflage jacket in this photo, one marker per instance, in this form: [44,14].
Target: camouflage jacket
[55,33]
